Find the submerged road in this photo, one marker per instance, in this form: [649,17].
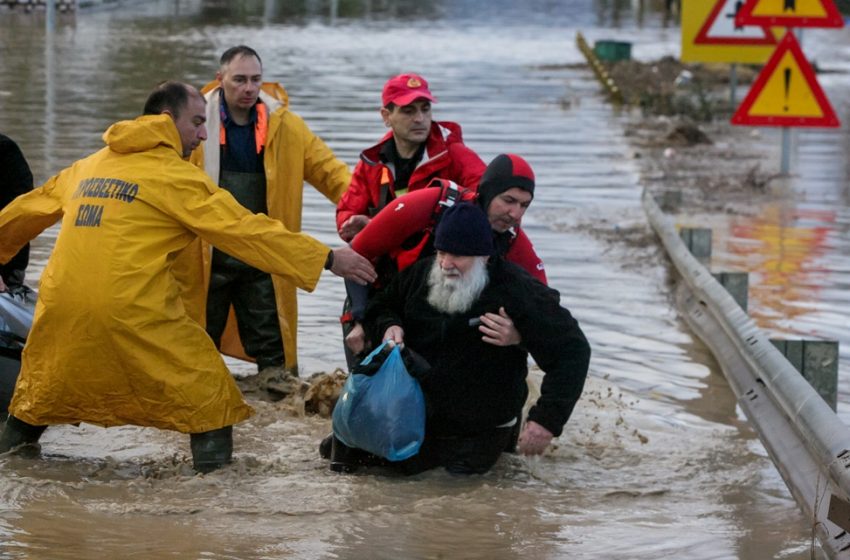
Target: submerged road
[657,461]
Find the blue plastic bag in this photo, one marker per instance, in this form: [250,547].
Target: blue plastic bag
[383,413]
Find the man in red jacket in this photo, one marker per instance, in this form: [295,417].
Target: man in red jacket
[415,151]
[403,231]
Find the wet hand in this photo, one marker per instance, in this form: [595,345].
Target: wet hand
[2,285]
[352,266]
[356,338]
[534,439]
[352,226]
[394,335]
[498,329]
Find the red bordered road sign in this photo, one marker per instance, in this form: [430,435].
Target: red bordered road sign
[721,28]
[786,93]
[720,39]
[790,13]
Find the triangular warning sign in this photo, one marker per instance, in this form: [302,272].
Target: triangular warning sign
[786,92]
[720,28]
[790,13]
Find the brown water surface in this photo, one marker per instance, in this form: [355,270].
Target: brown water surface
[657,461]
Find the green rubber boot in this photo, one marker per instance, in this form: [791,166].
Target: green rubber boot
[18,433]
[212,450]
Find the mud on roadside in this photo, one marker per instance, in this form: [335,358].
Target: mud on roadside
[680,132]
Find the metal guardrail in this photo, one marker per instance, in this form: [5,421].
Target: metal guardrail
[807,442]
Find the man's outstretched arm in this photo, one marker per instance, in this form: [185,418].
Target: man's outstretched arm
[345,262]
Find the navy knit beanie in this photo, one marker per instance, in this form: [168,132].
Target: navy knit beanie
[506,171]
[464,230]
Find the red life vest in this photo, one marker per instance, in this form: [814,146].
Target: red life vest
[450,194]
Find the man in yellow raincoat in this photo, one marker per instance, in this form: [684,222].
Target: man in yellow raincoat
[262,153]
[112,341]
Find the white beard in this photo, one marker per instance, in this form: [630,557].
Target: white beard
[451,295]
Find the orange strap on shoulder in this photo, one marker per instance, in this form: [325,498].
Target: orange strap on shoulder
[261,128]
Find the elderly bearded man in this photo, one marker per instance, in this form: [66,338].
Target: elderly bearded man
[475,388]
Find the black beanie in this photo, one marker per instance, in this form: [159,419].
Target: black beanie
[506,171]
[464,230]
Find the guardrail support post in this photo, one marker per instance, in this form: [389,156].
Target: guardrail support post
[817,360]
[698,241]
[737,284]
[669,201]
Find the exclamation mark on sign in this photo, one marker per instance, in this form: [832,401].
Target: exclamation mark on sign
[787,87]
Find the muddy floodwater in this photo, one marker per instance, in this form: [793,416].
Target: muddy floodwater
[657,460]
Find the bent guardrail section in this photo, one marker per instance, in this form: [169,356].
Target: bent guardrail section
[807,442]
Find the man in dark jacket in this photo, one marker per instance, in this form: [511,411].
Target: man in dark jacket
[474,388]
[16,180]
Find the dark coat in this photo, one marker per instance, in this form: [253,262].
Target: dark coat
[16,179]
[474,386]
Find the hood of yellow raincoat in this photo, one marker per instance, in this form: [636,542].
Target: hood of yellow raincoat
[143,134]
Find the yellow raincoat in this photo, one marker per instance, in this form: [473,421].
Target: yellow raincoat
[293,154]
[111,341]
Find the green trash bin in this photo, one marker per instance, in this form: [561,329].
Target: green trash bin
[612,51]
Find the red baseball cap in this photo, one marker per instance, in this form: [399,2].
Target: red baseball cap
[404,89]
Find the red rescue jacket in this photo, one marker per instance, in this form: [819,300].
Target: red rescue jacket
[446,157]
